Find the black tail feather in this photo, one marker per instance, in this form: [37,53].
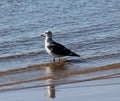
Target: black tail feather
[74,54]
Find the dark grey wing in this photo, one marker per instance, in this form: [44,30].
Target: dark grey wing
[59,49]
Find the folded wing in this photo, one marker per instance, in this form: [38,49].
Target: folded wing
[61,50]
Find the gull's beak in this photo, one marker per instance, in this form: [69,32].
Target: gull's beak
[42,34]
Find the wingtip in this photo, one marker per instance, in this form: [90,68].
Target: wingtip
[74,54]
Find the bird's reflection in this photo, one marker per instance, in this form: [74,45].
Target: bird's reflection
[51,88]
[52,70]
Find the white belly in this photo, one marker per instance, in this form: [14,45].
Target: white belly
[48,50]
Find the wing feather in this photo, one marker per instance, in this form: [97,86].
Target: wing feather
[59,49]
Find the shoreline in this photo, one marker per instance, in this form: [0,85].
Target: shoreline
[57,66]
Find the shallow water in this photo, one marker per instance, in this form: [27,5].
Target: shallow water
[90,28]
[52,77]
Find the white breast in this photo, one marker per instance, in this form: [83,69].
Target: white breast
[46,47]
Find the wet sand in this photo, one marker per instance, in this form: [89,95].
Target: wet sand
[68,80]
[105,92]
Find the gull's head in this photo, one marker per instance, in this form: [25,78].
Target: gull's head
[47,34]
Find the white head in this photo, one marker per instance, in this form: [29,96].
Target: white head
[47,34]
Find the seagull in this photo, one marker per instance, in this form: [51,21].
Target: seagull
[56,49]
